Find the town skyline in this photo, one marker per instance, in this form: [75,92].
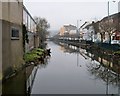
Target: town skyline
[63,13]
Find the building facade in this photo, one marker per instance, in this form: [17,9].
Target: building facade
[106,30]
[13,15]
[32,33]
[12,46]
[67,29]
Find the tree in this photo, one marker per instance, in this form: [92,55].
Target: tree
[42,27]
[107,26]
[96,26]
[101,31]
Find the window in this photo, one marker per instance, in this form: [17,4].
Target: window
[14,33]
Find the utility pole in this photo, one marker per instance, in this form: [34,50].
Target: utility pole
[109,19]
[77,30]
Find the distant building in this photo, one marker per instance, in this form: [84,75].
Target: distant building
[62,31]
[67,29]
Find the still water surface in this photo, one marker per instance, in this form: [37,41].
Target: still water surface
[69,72]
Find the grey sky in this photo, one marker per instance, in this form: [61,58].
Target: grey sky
[60,13]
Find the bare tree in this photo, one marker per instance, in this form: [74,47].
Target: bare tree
[101,31]
[104,72]
[96,26]
[107,26]
[42,27]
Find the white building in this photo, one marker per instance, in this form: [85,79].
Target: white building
[89,33]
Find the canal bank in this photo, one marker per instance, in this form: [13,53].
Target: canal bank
[69,72]
[21,81]
[111,49]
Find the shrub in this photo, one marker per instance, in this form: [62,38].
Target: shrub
[117,52]
[33,55]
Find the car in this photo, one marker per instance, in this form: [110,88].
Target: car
[97,41]
[107,41]
[115,42]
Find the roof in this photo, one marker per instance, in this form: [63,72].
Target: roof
[71,27]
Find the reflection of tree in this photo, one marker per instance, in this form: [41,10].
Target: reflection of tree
[102,72]
[68,47]
[44,62]
[32,76]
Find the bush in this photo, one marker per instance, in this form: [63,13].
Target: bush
[117,52]
[33,55]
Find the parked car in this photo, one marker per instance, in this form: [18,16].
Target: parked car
[97,41]
[115,42]
[107,41]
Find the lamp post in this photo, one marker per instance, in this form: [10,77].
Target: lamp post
[77,29]
[107,87]
[109,18]
[109,7]
[107,84]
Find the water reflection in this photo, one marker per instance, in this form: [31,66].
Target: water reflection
[104,73]
[22,83]
[100,64]
[33,73]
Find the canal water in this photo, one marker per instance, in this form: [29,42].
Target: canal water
[72,70]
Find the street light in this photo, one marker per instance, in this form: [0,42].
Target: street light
[78,28]
[107,86]
[109,7]
[109,16]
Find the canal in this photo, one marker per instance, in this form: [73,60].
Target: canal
[73,70]
[69,70]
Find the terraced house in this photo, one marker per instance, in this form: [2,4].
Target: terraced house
[11,32]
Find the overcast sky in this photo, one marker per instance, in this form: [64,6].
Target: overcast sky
[62,12]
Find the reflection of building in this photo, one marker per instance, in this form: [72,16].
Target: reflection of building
[105,60]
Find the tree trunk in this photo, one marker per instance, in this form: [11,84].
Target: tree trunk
[101,37]
[109,39]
